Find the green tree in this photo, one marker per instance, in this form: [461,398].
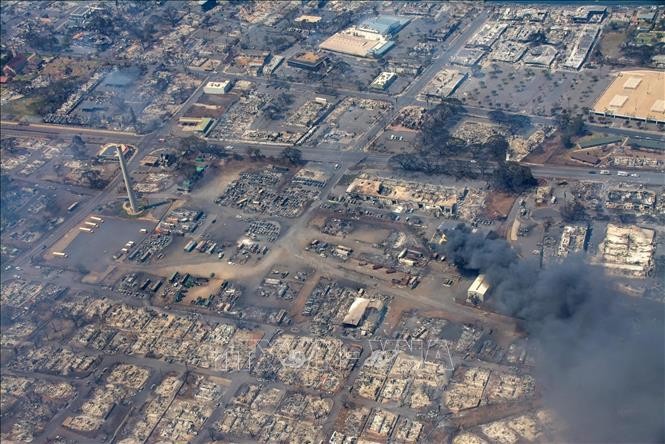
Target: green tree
[573,211]
[496,148]
[512,177]
[254,153]
[293,155]
[192,144]
[570,126]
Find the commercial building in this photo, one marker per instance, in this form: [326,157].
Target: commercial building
[310,21]
[487,35]
[399,194]
[383,81]
[468,56]
[353,44]
[309,61]
[443,84]
[370,38]
[508,51]
[217,87]
[634,95]
[385,25]
[582,47]
[356,312]
[196,124]
[587,14]
[478,290]
[542,55]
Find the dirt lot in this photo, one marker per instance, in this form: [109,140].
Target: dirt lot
[610,43]
[498,205]
[545,151]
[67,67]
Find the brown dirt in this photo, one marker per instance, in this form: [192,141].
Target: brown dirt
[56,68]
[498,205]
[545,151]
[295,311]
[397,307]
[202,291]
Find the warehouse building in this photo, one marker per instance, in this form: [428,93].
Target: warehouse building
[217,87]
[636,95]
[371,38]
[196,124]
[478,290]
[309,61]
[308,21]
[383,81]
[385,25]
[356,312]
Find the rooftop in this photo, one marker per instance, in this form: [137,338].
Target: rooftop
[384,24]
[635,94]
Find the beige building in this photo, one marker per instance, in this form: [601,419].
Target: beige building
[634,95]
[478,290]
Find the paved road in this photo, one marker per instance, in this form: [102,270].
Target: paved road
[10,128]
[565,172]
[544,171]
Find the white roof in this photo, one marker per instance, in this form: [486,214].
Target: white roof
[356,311]
[632,82]
[480,285]
[658,106]
[618,101]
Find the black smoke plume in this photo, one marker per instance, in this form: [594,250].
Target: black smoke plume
[600,354]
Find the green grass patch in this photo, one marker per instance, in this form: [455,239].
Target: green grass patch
[650,38]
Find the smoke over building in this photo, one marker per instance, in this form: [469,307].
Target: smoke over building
[600,356]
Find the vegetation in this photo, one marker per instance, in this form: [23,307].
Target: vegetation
[276,108]
[192,144]
[77,147]
[292,155]
[438,149]
[570,126]
[54,95]
[512,177]
[434,134]
[9,144]
[514,122]
[93,180]
[254,153]
[42,41]
[573,211]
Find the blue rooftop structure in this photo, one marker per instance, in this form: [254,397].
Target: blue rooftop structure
[381,50]
[386,25]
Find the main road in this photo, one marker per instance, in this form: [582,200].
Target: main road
[10,128]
